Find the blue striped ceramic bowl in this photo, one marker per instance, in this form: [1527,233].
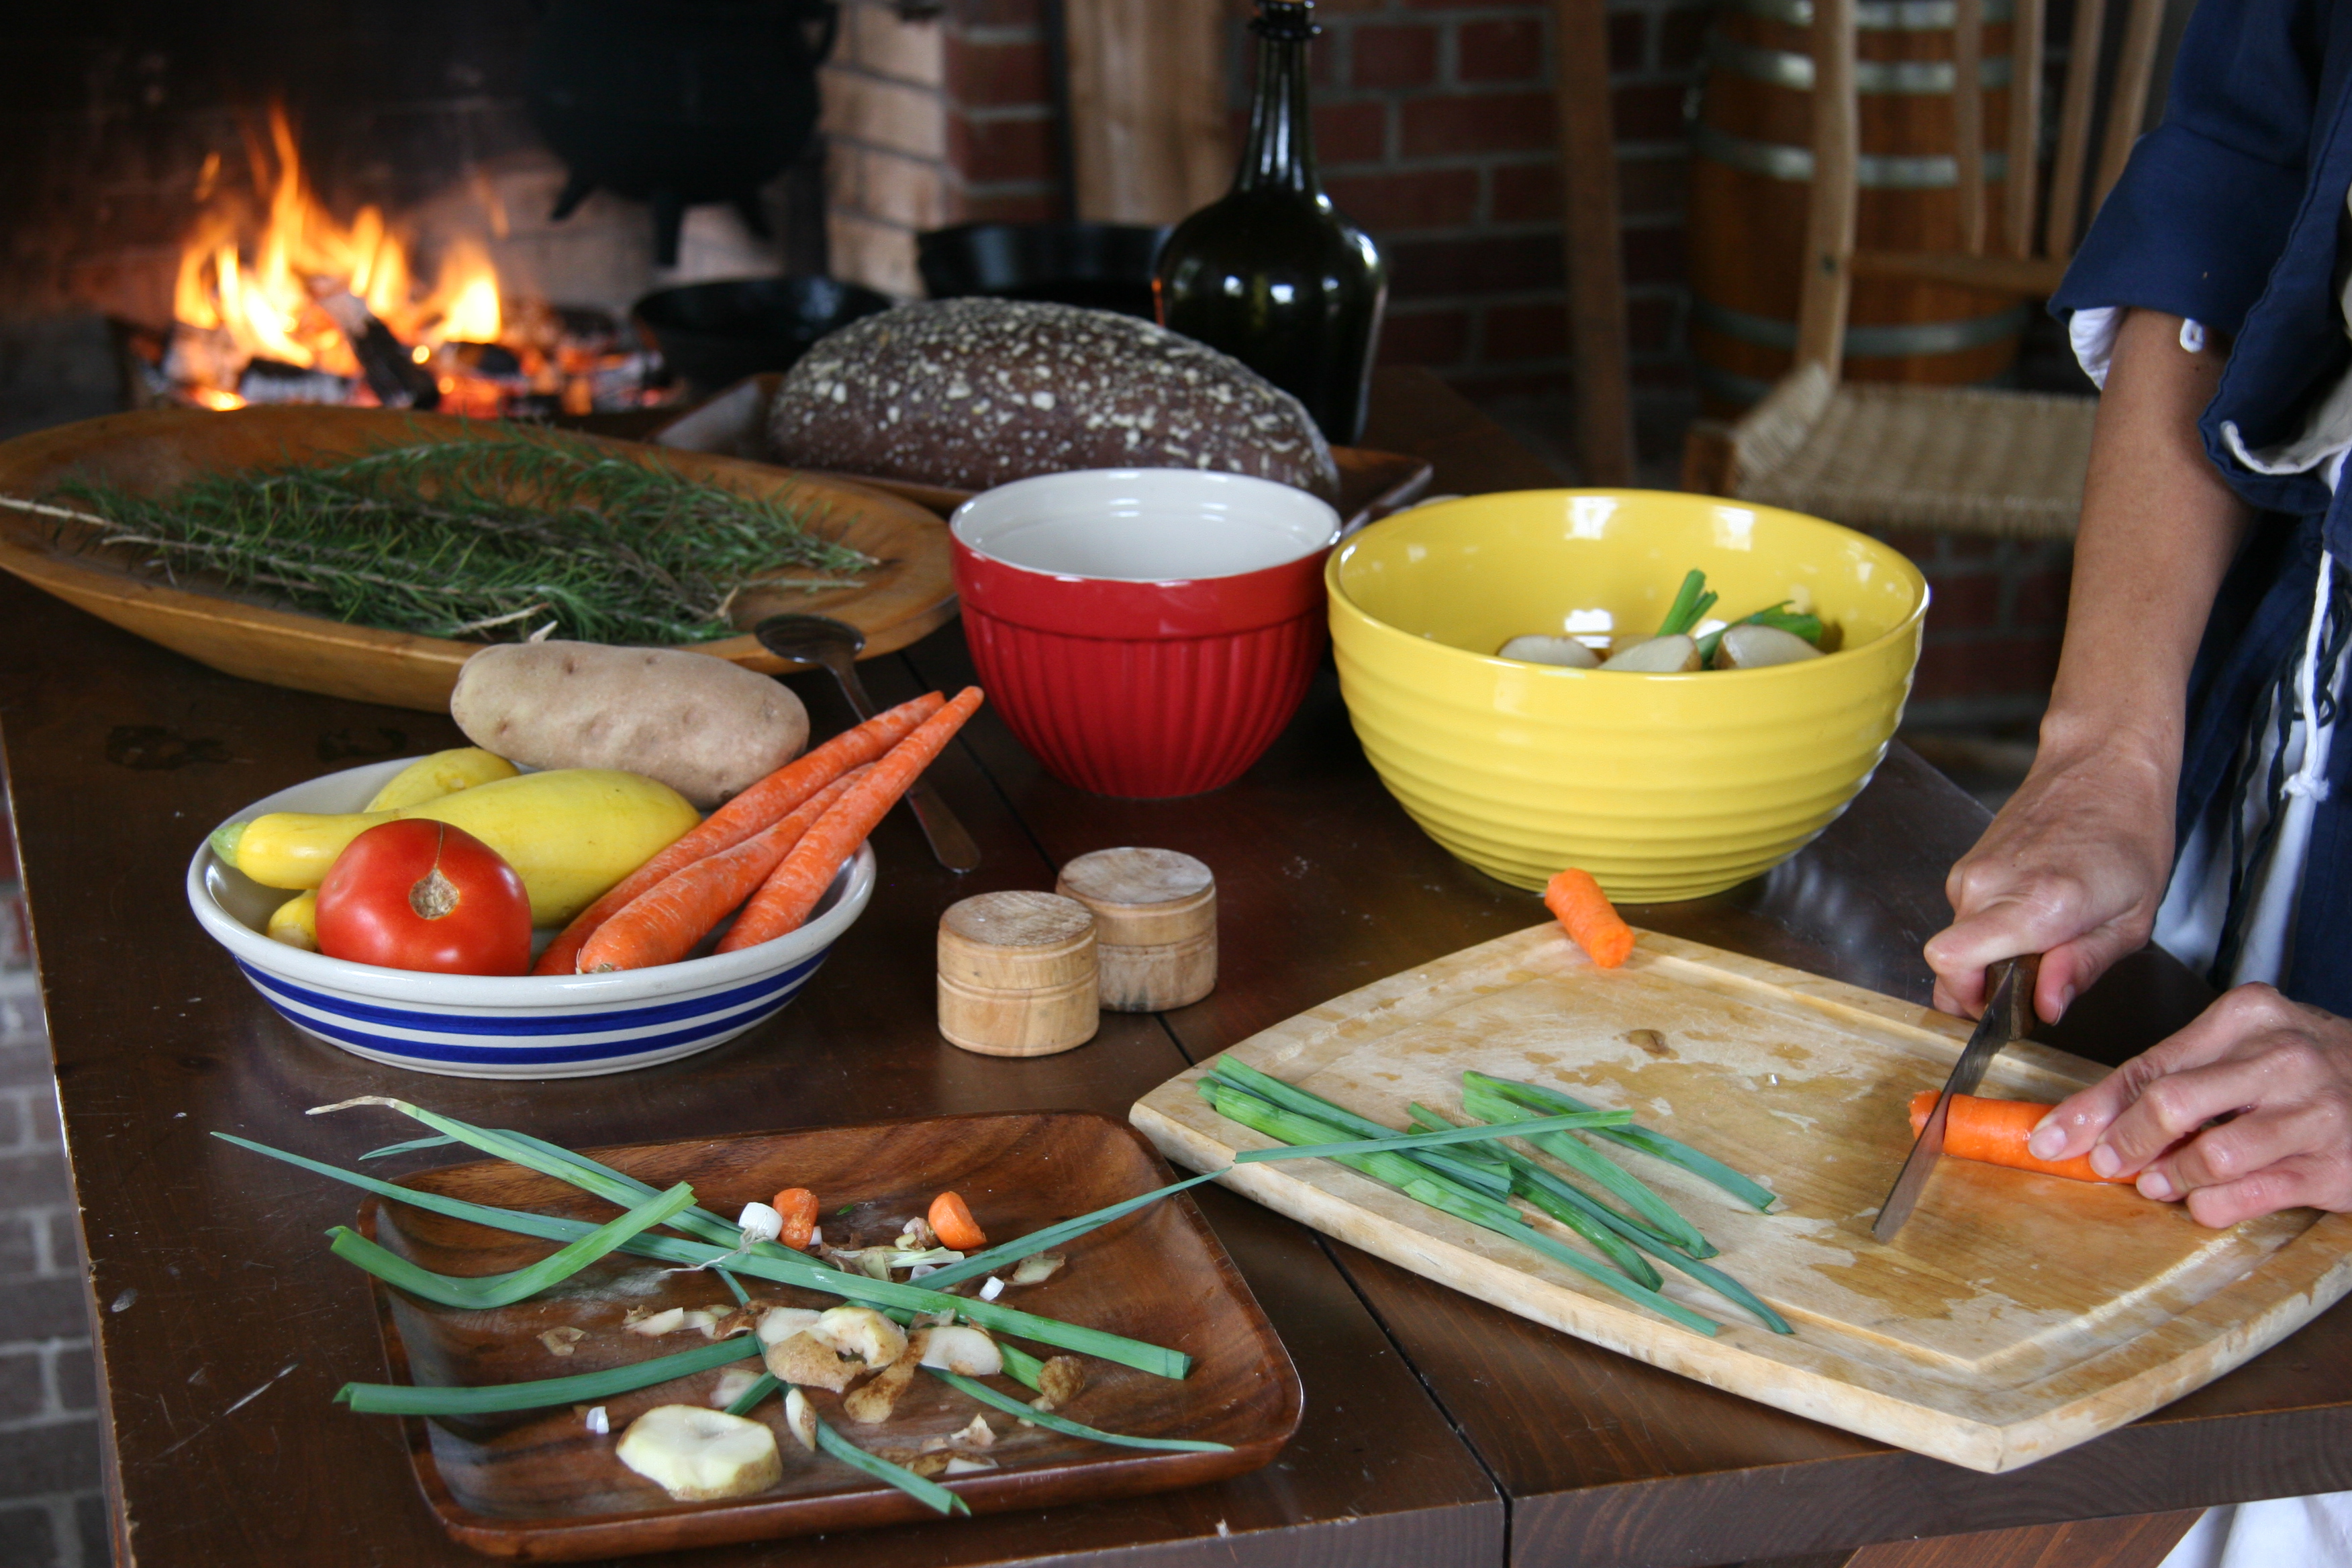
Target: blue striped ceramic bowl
[469,1026]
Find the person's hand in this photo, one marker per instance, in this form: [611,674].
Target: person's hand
[2073,868]
[2283,1068]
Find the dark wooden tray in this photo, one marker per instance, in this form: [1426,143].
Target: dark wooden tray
[735,424]
[539,1485]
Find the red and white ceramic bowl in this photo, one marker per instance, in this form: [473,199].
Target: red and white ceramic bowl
[1145,632]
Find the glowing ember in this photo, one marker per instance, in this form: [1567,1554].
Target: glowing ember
[273,305]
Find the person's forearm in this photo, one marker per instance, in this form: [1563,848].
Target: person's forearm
[2158,530]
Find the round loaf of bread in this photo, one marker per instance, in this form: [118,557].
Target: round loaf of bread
[975,393]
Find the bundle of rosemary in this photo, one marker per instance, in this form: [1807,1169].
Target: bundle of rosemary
[494,538]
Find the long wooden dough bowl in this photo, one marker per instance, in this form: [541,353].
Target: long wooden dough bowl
[2015,1315]
[907,595]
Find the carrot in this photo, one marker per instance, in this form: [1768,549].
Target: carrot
[756,808]
[1995,1130]
[798,1205]
[784,901]
[662,924]
[1589,917]
[953,1223]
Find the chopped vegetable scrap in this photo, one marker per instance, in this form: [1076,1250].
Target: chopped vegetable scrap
[1589,916]
[1418,1164]
[867,1345]
[796,1207]
[953,1223]
[1994,1131]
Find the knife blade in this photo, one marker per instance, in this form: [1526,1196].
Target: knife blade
[2008,1016]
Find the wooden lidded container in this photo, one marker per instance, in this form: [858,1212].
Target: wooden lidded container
[1156,918]
[1017,974]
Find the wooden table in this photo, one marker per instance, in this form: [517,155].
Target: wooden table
[1438,1431]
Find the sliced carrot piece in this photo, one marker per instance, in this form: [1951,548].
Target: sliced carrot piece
[953,1223]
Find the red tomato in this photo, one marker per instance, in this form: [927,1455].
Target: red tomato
[415,894]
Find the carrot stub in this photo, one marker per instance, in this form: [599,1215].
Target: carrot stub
[798,1205]
[662,924]
[1590,919]
[792,889]
[756,808]
[953,1223]
[1995,1130]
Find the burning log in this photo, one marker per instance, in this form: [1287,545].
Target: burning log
[397,381]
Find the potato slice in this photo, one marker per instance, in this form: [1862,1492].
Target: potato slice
[1536,649]
[1658,655]
[871,1402]
[862,1333]
[961,1347]
[780,1323]
[806,1362]
[1754,647]
[696,1455]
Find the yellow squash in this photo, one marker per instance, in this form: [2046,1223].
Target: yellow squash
[443,772]
[570,833]
[296,922]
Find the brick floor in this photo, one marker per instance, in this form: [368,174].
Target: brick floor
[52,1514]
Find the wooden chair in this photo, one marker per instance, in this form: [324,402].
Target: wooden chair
[1904,456]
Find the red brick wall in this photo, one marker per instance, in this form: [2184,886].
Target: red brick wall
[1434,126]
[1434,130]
[1996,617]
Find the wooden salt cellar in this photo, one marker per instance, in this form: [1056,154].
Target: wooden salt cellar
[1156,918]
[1017,974]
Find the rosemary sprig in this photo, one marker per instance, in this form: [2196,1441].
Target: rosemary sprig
[494,538]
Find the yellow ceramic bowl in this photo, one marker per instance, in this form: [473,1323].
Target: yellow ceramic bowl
[1663,786]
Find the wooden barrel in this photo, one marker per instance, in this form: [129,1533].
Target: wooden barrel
[1752,174]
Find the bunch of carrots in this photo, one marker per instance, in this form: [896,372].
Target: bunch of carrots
[773,849]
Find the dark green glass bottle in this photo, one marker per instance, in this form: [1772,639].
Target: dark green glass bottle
[1269,273]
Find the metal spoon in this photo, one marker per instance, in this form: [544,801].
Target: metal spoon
[821,639]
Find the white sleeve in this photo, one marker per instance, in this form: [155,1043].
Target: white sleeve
[2091,332]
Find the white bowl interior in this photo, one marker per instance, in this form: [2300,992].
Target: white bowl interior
[236,910]
[1145,525]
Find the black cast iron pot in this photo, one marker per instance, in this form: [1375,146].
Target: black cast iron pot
[677,102]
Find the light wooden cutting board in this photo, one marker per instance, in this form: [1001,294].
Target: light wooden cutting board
[2015,1315]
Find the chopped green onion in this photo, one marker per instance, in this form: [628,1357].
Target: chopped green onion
[1037,1241]
[1463,1203]
[1518,1230]
[1403,1140]
[1534,1180]
[416,1399]
[439,1141]
[778,1264]
[749,1400]
[881,1469]
[1485,1105]
[1691,602]
[1470,1169]
[1657,1145]
[1020,1365]
[1062,1424]
[1292,1127]
[1605,1240]
[485,1292]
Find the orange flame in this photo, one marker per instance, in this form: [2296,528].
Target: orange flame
[262,288]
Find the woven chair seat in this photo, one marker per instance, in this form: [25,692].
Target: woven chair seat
[1965,458]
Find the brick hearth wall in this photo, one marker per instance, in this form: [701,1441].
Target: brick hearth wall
[1435,129]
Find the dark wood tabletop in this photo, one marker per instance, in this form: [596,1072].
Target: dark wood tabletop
[1437,1431]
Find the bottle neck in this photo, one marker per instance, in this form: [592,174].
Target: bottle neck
[1280,154]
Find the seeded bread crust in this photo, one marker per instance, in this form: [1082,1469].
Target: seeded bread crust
[974,392]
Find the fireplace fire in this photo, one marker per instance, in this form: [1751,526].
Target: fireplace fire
[279,301]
